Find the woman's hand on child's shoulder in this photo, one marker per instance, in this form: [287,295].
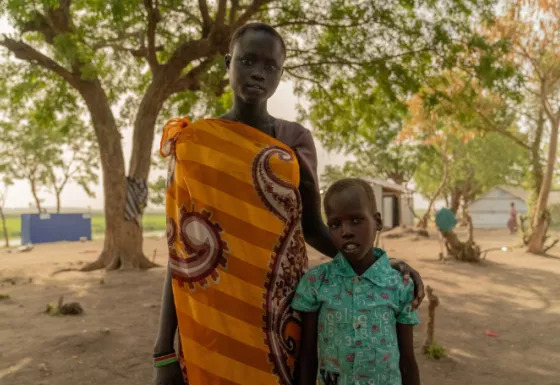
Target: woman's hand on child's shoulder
[407,273]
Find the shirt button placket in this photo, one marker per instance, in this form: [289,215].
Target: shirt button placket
[357,326]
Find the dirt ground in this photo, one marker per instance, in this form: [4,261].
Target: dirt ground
[512,294]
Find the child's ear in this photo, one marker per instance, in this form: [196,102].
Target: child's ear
[227,60]
[378,221]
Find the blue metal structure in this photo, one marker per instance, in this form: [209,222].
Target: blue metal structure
[45,228]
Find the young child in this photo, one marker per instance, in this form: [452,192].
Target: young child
[356,311]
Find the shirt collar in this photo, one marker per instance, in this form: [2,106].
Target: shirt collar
[378,272]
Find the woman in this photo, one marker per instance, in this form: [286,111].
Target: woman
[512,221]
[242,195]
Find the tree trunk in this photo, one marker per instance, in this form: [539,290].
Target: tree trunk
[4,228]
[541,218]
[123,241]
[423,223]
[35,195]
[58,193]
[456,194]
[536,161]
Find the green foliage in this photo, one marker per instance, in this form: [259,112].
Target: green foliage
[436,351]
[367,91]
[332,174]
[474,167]
[44,138]
[157,191]
[337,49]
[379,153]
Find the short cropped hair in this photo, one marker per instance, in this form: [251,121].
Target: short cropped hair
[238,34]
[346,183]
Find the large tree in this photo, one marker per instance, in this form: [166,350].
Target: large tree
[167,55]
[533,27]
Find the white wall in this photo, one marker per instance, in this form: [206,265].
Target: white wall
[407,212]
[378,191]
[492,210]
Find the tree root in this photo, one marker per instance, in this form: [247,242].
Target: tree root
[467,251]
[551,245]
[116,262]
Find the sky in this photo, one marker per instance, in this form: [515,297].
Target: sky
[282,105]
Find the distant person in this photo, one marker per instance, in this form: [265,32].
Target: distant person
[357,314]
[512,221]
[242,197]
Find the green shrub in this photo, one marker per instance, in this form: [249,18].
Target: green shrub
[435,351]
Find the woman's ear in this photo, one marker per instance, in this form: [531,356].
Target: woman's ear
[227,60]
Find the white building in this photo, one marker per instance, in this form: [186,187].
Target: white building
[492,209]
[394,202]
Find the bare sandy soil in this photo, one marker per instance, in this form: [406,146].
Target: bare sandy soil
[512,294]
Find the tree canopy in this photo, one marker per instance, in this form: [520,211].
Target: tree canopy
[134,62]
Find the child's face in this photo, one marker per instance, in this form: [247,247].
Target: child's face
[352,224]
[255,67]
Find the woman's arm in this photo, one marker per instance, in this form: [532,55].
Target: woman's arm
[306,370]
[315,231]
[408,366]
[165,339]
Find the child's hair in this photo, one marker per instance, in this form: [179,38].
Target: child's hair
[238,34]
[345,183]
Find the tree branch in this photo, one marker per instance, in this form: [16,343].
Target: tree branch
[345,62]
[233,11]
[188,52]
[117,41]
[153,19]
[221,13]
[250,11]
[492,127]
[318,84]
[191,80]
[25,52]
[206,20]
[316,23]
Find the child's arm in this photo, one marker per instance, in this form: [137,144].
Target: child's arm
[407,317]
[306,372]
[408,366]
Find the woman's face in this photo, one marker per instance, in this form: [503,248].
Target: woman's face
[255,67]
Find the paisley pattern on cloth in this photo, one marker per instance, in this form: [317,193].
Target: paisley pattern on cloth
[236,251]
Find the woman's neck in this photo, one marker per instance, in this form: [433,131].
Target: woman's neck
[254,115]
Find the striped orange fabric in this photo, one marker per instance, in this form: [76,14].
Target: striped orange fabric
[236,251]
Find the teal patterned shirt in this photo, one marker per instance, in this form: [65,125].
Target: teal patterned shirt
[357,320]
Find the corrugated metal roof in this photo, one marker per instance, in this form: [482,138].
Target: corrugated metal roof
[387,185]
[518,192]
